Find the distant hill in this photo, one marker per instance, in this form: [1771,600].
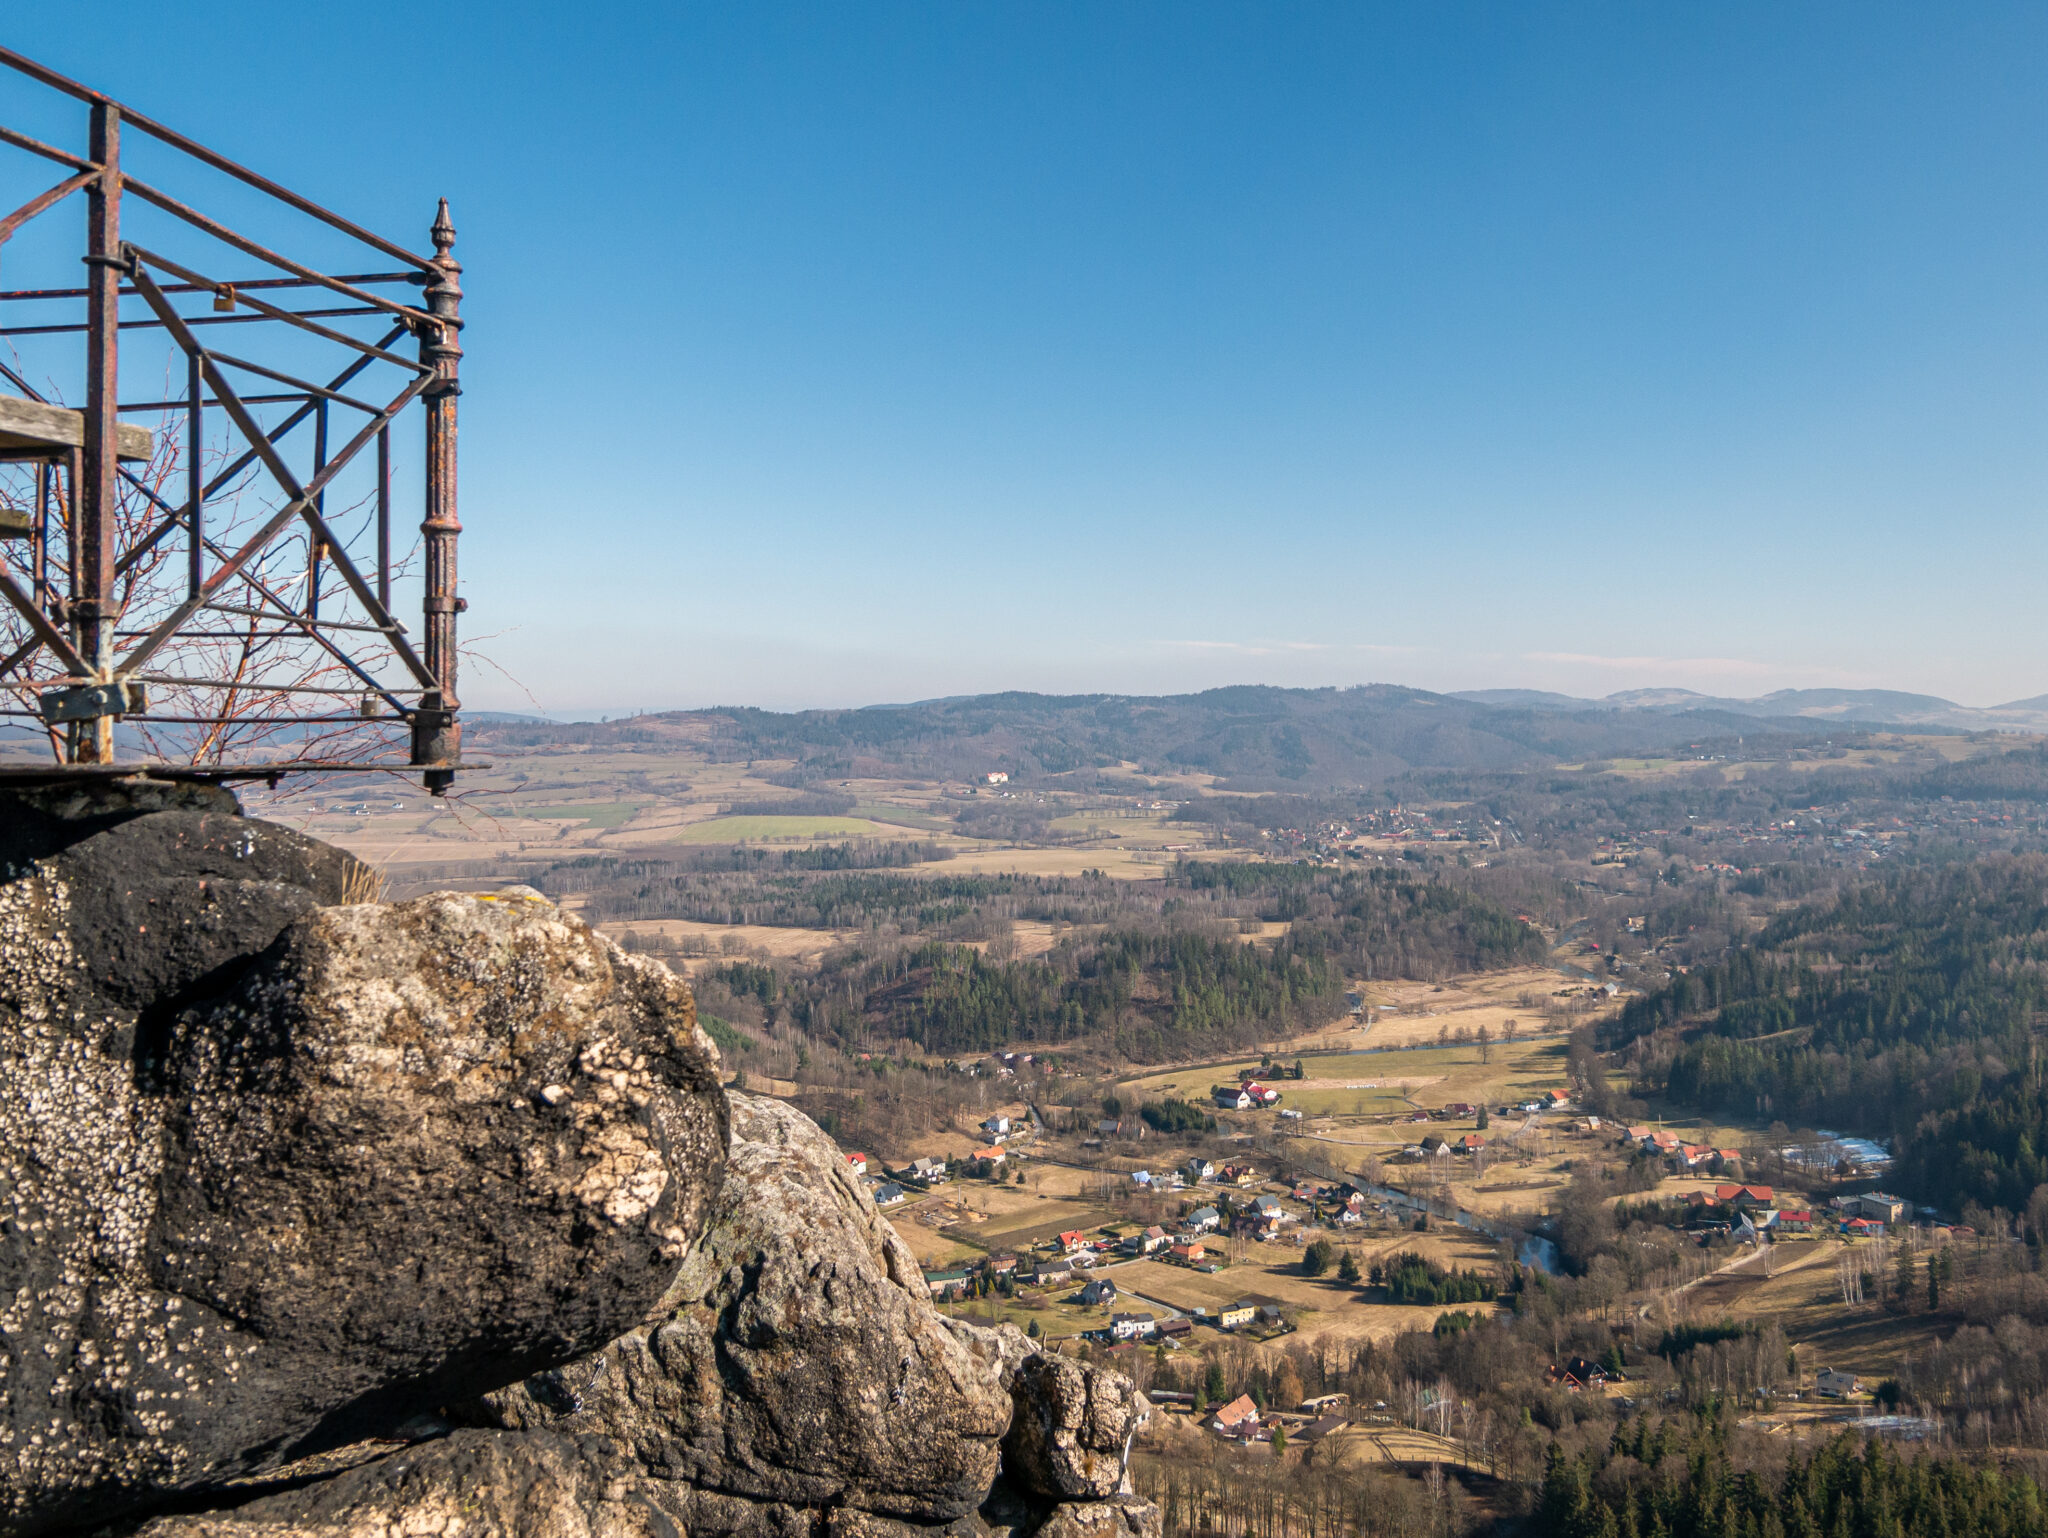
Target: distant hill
[1858,707]
[1253,738]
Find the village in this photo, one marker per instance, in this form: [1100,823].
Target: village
[1255,1241]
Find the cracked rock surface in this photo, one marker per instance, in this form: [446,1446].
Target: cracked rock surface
[278,1174]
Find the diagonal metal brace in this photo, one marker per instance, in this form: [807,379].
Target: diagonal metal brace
[279,610]
[46,632]
[242,462]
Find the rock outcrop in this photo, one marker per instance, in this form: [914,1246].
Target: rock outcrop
[281,1174]
[1071,1430]
[369,1220]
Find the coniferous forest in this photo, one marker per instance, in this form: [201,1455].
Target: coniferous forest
[1673,1478]
[1146,971]
[1910,1006]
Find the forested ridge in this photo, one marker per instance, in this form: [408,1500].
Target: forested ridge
[1675,1479]
[1148,995]
[1380,923]
[1256,737]
[1911,1006]
[1147,970]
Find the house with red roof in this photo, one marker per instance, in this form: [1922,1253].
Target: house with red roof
[1239,1417]
[1744,1196]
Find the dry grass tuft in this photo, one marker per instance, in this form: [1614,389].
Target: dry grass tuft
[362,883]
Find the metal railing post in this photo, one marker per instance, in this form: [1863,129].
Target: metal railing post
[436,734]
[93,526]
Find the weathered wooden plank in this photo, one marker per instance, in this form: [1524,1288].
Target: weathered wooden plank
[30,427]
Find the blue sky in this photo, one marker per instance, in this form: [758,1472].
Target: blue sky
[835,354]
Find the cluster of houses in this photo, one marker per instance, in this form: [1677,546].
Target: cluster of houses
[1009,1064]
[1581,1375]
[890,1188]
[1682,1157]
[1242,1421]
[1455,1110]
[1435,1147]
[1755,1212]
[1125,1327]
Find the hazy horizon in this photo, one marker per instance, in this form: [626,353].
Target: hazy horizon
[597,712]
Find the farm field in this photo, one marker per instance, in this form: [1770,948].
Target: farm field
[1021,1228]
[1329,1308]
[526,804]
[1055,1314]
[935,1250]
[901,816]
[595,814]
[1357,1445]
[732,830]
[1121,864]
[1410,1014]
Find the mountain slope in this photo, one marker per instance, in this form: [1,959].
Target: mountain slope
[1252,738]
[1858,707]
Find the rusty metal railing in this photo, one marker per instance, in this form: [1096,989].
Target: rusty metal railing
[217,595]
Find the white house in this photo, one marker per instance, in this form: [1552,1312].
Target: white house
[1200,1169]
[1132,1326]
[1835,1385]
[997,1126]
[928,1169]
[1203,1219]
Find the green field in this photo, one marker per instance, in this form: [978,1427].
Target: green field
[1514,1072]
[730,830]
[1344,1102]
[1045,1225]
[900,816]
[596,814]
